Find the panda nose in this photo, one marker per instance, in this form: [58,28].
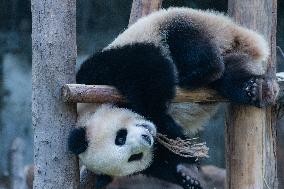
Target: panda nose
[149,128]
[147,139]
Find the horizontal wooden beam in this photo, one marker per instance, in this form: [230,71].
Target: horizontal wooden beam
[103,93]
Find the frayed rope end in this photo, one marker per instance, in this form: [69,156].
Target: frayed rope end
[184,147]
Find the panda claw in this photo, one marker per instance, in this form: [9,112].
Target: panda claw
[252,89]
[188,182]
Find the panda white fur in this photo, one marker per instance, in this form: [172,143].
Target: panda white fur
[116,138]
[186,48]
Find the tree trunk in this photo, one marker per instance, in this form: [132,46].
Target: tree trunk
[250,132]
[54,58]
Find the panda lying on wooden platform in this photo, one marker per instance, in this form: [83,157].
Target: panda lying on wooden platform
[173,47]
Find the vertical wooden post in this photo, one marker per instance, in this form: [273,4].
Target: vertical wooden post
[250,132]
[142,8]
[54,58]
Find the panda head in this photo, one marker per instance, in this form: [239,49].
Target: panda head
[113,141]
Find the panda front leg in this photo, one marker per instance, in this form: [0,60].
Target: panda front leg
[242,82]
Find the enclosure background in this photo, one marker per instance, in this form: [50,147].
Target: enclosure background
[98,22]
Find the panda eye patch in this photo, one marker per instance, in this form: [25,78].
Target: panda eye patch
[121,137]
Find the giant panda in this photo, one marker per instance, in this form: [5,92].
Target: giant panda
[186,48]
[113,141]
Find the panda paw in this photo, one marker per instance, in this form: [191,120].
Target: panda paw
[186,181]
[261,91]
[253,88]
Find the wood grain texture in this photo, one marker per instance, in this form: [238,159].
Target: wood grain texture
[103,93]
[54,58]
[142,8]
[250,132]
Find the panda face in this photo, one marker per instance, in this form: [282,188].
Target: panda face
[120,142]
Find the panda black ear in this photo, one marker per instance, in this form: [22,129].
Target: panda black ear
[77,142]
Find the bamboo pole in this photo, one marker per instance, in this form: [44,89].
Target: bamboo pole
[54,58]
[250,132]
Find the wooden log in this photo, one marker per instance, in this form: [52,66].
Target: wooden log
[54,58]
[16,164]
[250,132]
[103,93]
[142,8]
[78,93]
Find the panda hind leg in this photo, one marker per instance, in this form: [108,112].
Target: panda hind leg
[185,180]
[170,169]
[241,84]
[196,56]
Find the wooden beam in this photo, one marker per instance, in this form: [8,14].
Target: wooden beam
[103,93]
[250,132]
[54,58]
[75,93]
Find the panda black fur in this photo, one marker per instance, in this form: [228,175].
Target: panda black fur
[179,47]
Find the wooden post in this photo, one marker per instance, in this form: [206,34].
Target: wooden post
[250,132]
[54,58]
[142,8]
